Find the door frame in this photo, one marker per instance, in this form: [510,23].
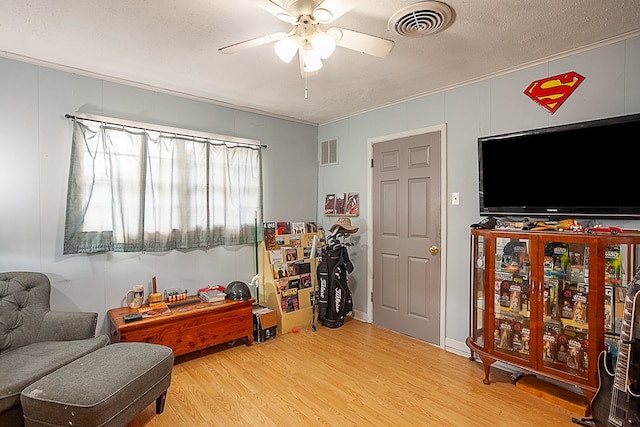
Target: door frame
[442,128]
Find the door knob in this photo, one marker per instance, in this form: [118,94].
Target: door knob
[434,250]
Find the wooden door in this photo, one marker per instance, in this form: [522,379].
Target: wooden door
[406,235]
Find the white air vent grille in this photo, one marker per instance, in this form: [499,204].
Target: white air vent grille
[421,19]
[329,152]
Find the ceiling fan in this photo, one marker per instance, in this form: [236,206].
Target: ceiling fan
[306,38]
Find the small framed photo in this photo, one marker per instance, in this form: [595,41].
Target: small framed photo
[329,204]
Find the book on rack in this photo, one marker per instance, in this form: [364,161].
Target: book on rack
[291,254]
[297,227]
[157,310]
[269,227]
[294,241]
[270,241]
[305,281]
[282,285]
[294,283]
[292,269]
[308,239]
[289,300]
[303,267]
[306,252]
[283,227]
[280,271]
[276,257]
[270,235]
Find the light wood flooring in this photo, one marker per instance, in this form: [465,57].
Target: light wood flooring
[355,375]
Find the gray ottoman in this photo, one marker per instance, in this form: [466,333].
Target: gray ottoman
[108,387]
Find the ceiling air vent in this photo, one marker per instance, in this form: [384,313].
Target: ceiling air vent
[421,19]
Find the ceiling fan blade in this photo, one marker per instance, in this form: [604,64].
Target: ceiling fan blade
[330,10]
[252,43]
[276,10]
[361,42]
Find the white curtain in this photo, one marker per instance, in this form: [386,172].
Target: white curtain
[139,190]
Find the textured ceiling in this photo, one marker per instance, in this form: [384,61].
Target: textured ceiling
[172,46]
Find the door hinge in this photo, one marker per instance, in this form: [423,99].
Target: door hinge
[372,296]
[371,163]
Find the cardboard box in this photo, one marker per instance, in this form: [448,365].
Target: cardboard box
[265,324]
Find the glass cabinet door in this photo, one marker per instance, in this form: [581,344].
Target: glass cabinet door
[477,323]
[564,309]
[618,269]
[512,293]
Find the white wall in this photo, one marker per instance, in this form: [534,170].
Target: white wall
[35,141]
[492,106]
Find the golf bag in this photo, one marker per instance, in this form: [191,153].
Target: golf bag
[334,296]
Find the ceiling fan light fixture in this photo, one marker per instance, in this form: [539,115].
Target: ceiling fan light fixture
[287,47]
[310,60]
[323,44]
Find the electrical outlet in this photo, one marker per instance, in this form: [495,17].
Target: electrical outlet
[455,198]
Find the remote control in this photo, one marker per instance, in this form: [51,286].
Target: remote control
[132,317]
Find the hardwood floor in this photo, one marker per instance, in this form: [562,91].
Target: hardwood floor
[355,375]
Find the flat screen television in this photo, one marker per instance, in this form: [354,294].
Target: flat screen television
[579,170]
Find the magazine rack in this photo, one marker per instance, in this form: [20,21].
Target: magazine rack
[272,289]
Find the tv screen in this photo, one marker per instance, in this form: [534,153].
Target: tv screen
[580,170]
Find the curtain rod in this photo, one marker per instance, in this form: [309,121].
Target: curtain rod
[174,131]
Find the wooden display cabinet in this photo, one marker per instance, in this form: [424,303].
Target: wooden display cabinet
[549,302]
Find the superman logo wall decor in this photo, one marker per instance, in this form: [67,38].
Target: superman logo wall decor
[551,92]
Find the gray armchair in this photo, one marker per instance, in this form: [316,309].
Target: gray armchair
[35,341]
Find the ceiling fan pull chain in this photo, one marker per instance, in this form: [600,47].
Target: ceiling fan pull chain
[306,88]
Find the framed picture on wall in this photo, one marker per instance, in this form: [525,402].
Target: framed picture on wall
[329,204]
[353,204]
[342,204]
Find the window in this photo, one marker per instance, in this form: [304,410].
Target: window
[132,189]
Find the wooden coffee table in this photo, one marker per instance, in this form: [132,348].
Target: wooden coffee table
[190,327]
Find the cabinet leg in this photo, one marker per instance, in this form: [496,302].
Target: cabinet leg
[486,363]
[249,339]
[472,357]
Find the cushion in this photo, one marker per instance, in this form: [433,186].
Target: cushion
[24,299]
[109,386]
[27,364]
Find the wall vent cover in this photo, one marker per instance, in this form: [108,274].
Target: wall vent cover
[329,152]
[421,19]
